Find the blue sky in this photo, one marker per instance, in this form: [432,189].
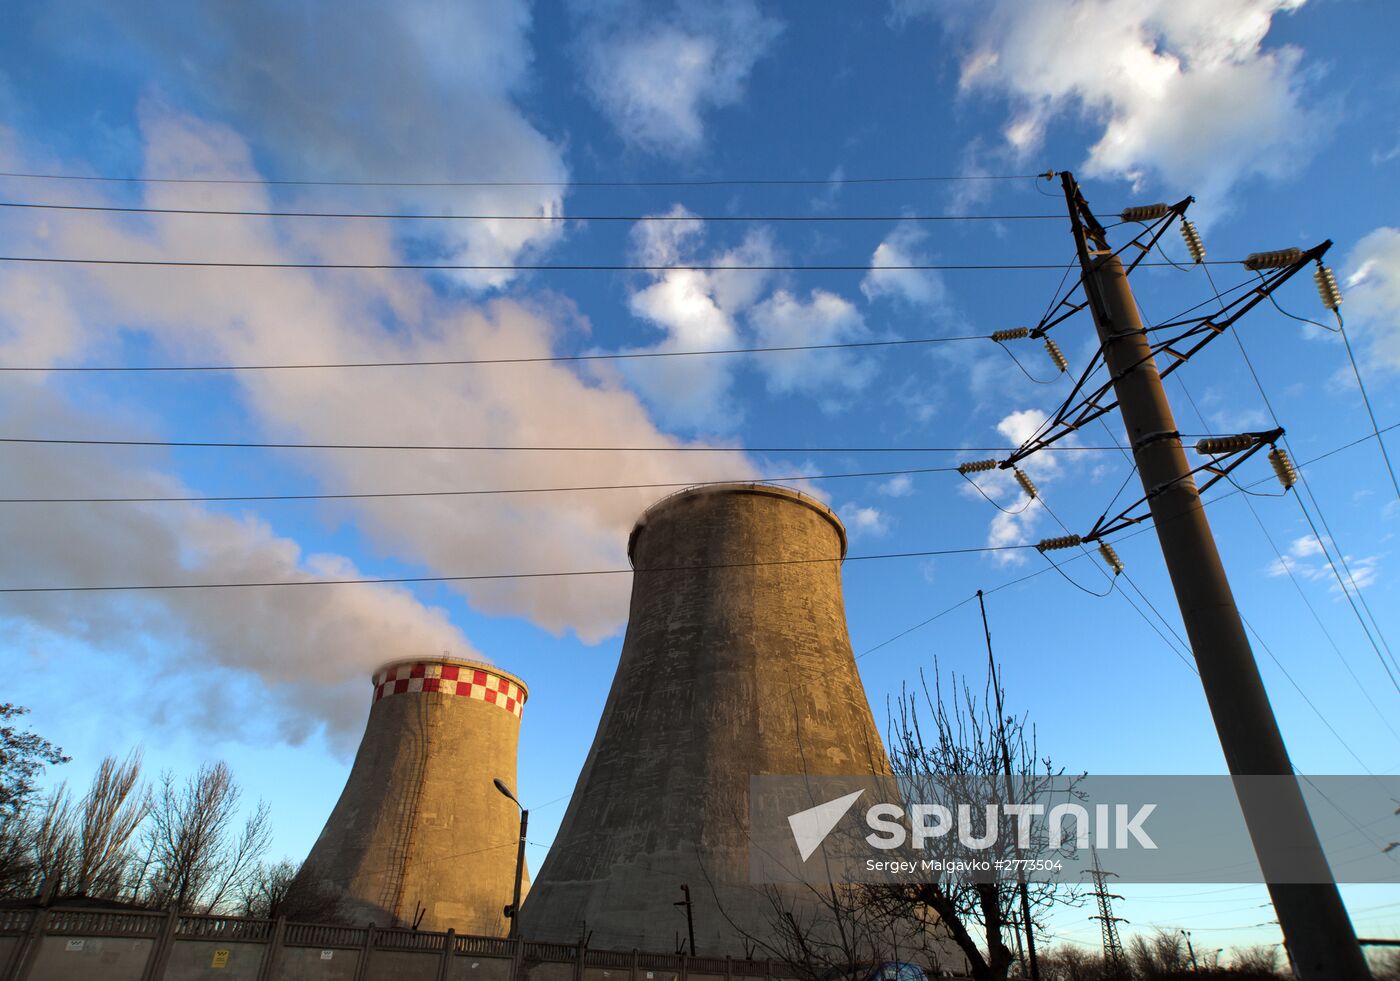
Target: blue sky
[1282,118]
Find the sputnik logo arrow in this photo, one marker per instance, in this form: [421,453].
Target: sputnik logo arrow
[810,827]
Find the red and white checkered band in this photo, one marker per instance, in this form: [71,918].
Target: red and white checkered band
[451,679]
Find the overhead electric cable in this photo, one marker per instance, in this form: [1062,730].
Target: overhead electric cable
[219,444]
[485,577]
[1304,695]
[542,359]
[1288,568]
[463,493]
[547,267]
[664,182]
[1366,400]
[542,575]
[416,216]
[1376,432]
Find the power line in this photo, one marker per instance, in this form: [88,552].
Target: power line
[215,444]
[1366,400]
[543,359]
[415,216]
[1284,564]
[503,575]
[664,182]
[1376,432]
[461,493]
[554,267]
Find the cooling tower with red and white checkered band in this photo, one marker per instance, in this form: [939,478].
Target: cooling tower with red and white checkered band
[419,829]
[736,662]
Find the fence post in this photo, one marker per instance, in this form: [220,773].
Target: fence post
[160,951]
[578,961]
[28,947]
[449,948]
[728,968]
[633,972]
[517,959]
[362,968]
[768,969]
[685,970]
[268,969]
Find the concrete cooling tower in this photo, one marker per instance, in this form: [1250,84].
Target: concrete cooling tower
[419,829]
[736,662]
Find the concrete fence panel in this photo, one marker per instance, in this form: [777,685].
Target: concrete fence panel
[316,964]
[69,958]
[215,960]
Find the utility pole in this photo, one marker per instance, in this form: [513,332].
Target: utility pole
[1191,951]
[1006,765]
[1314,921]
[689,916]
[1108,923]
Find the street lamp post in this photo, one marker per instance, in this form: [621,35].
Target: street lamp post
[513,910]
[1190,950]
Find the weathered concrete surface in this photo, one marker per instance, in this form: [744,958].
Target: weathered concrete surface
[65,958]
[419,824]
[730,668]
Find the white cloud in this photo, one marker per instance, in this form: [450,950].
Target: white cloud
[414,90]
[900,486]
[697,311]
[785,320]
[656,69]
[922,287]
[701,310]
[1185,92]
[1017,517]
[289,315]
[1307,560]
[861,520]
[1371,294]
[314,647]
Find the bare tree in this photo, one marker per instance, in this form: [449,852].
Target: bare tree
[1161,955]
[955,750]
[108,818]
[1067,963]
[55,842]
[273,890]
[200,857]
[831,931]
[1259,961]
[264,893]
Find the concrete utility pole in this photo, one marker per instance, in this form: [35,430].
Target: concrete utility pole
[1315,924]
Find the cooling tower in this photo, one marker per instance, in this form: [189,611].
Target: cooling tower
[736,662]
[419,827]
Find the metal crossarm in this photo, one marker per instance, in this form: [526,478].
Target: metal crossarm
[1218,470]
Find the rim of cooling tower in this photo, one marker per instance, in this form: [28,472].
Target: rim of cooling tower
[460,662]
[761,489]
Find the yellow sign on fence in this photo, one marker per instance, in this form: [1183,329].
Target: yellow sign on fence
[220,959]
